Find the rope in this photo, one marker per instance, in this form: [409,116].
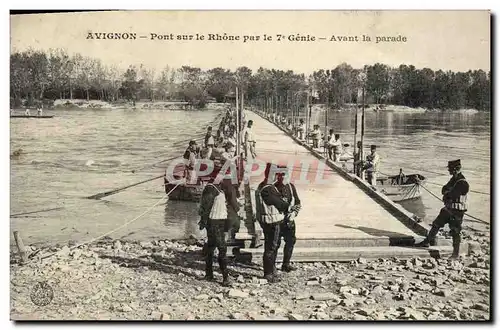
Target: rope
[470,216]
[120,227]
[39,211]
[474,191]
[437,197]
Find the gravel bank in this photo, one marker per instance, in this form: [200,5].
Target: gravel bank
[162,280]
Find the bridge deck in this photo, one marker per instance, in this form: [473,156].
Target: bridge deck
[332,206]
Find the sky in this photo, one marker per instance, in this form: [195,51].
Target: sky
[447,40]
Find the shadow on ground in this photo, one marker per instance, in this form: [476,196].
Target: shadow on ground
[395,238]
[190,263]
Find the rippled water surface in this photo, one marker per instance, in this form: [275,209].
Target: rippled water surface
[84,152]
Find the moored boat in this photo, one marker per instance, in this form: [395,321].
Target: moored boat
[192,187]
[401,187]
[30,116]
[191,190]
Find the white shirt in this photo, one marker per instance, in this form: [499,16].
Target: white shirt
[210,140]
[335,143]
[247,135]
[374,159]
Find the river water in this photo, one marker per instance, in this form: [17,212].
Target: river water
[424,143]
[79,153]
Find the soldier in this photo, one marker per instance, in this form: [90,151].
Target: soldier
[190,156]
[209,142]
[287,226]
[213,217]
[372,165]
[455,206]
[248,141]
[358,162]
[336,145]
[301,130]
[271,209]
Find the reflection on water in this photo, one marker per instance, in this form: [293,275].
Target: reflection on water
[188,212]
[415,206]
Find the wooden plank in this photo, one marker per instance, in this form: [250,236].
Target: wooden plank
[352,253]
[21,247]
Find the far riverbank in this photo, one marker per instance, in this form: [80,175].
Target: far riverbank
[76,104]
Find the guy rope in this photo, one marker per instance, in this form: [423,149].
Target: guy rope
[115,191]
[120,227]
[470,216]
[437,197]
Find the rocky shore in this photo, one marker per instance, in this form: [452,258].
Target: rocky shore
[162,280]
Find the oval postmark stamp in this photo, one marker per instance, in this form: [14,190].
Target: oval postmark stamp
[42,294]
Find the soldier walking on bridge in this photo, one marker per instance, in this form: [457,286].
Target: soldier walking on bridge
[455,206]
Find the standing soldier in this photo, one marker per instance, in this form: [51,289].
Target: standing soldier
[372,165]
[213,213]
[336,145]
[189,162]
[301,130]
[271,209]
[358,162]
[287,226]
[233,207]
[455,206]
[248,141]
[209,142]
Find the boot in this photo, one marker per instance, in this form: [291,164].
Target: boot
[225,272]
[272,278]
[267,264]
[209,270]
[287,255]
[287,268]
[226,282]
[456,247]
[430,239]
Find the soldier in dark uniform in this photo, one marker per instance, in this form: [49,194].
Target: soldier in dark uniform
[455,206]
[287,227]
[271,208]
[216,229]
[358,162]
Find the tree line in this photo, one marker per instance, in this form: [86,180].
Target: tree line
[37,75]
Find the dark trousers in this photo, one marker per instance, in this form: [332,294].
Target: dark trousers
[287,231]
[453,218]
[271,245]
[233,224]
[216,239]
